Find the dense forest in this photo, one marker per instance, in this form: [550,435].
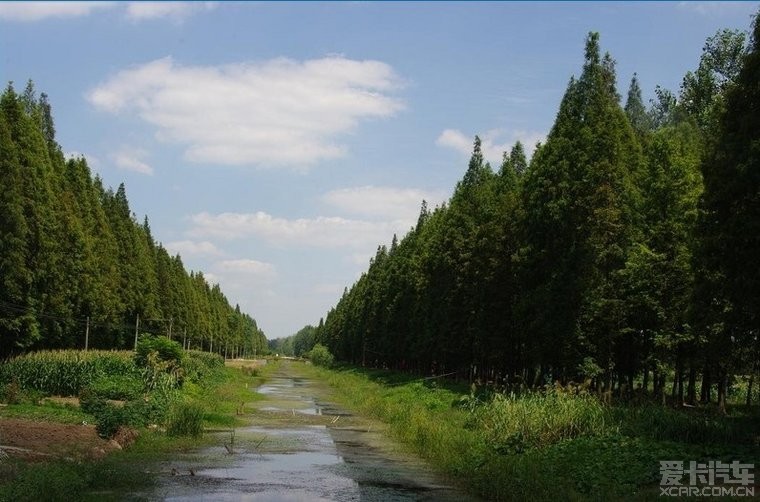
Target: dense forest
[76,263]
[624,254]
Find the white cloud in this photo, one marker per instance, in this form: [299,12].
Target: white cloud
[494,142]
[37,11]
[130,159]
[323,232]
[194,248]
[713,8]
[177,11]
[274,113]
[383,202]
[247,267]
[331,289]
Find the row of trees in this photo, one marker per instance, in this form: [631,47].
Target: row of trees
[74,259]
[624,252]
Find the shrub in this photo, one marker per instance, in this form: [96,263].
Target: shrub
[10,393]
[160,360]
[109,418]
[320,356]
[167,350]
[185,419]
[198,366]
[91,402]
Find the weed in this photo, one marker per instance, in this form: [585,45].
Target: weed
[185,419]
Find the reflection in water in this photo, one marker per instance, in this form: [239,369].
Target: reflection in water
[301,463]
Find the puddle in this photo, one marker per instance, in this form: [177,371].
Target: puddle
[289,461]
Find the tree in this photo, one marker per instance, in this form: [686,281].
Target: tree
[580,202]
[730,224]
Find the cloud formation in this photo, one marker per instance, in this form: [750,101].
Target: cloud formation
[130,159]
[494,142]
[37,11]
[247,267]
[279,112]
[177,11]
[193,248]
[134,11]
[321,232]
[388,203]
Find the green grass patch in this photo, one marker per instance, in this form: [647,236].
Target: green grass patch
[552,445]
[47,412]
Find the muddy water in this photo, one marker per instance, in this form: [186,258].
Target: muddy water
[302,448]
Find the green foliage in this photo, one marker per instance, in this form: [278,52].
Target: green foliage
[199,366]
[320,355]
[185,419]
[166,350]
[73,254]
[118,387]
[549,445]
[514,424]
[67,372]
[160,360]
[46,411]
[109,418]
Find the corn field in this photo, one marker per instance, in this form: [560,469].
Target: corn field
[66,372]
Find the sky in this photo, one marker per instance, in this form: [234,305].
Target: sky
[274,146]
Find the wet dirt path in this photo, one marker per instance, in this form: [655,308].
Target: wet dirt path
[301,447]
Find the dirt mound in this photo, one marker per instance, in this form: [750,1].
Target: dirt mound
[36,441]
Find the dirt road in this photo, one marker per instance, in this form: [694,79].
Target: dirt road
[300,448]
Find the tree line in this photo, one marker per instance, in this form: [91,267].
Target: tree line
[624,254]
[75,261]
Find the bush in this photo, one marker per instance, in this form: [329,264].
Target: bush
[320,356]
[160,360]
[185,419]
[91,402]
[168,350]
[109,418]
[198,366]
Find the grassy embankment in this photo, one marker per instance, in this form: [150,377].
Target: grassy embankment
[176,399]
[557,445]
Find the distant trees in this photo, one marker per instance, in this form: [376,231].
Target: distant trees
[622,254]
[71,250]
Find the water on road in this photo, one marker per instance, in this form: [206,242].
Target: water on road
[302,448]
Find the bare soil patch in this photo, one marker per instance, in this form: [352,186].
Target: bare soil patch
[38,441]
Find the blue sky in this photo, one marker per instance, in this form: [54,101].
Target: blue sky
[275,145]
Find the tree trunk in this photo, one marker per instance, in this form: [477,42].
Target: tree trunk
[706,385]
[722,387]
[749,388]
[645,384]
[692,390]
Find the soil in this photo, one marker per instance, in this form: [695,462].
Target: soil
[38,441]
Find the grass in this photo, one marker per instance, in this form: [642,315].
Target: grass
[207,402]
[543,446]
[47,412]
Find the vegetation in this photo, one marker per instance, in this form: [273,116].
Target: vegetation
[76,265]
[621,256]
[66,372]
[557,443]
[147,382]
[320,356]
[211,401]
